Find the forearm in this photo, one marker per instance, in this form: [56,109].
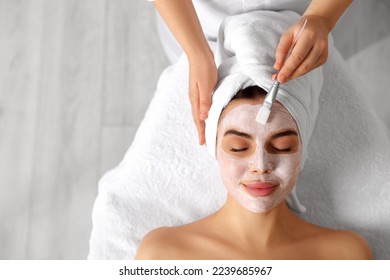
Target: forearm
[329,10]
[181,18]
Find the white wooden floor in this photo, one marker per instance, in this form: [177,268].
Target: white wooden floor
[76,77]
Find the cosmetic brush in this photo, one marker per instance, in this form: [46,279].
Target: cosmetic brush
[265,109]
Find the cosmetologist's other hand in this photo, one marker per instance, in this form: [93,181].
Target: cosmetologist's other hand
[202,81]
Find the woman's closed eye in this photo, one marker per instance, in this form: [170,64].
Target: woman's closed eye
[236,145]
[237,150]
[282,149]
[285,144]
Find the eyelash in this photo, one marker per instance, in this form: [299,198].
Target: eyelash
[283,150]
[244,149]
[238,150]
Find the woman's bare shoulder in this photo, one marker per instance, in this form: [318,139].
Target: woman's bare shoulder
[344,244]
[187,241]
[161,243]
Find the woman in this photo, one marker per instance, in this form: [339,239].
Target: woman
[259,166]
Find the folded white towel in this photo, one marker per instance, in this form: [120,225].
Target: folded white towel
[167,179]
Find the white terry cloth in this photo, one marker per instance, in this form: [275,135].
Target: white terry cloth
[245,55]
[166,179]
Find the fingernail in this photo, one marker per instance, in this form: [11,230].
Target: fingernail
[282,78]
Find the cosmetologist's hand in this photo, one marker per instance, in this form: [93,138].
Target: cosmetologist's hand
[202,81]
[309,52]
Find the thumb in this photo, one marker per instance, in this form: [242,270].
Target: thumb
[204,103]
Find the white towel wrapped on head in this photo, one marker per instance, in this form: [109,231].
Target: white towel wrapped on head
[166,179]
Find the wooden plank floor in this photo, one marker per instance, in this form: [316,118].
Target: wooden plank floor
[76,77]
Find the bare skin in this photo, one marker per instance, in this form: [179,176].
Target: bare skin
[278,234]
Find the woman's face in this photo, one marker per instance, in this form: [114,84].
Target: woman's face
[259,164]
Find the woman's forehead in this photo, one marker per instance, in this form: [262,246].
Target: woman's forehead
[242,114]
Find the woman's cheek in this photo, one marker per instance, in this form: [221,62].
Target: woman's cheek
[287,169]
[232,170]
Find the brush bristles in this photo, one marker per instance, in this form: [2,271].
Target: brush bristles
[262,115]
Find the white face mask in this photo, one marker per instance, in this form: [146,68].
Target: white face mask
[260,172]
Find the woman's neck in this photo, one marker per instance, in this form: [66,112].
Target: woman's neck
[257,229]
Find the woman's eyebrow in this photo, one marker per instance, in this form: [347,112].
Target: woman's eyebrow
[284,133]
[238,133]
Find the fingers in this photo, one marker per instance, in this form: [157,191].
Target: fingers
[202,80]
[282,49]
[200,106]
[204,103]
[298,54]
[315,58]
[195,108]
[201,131]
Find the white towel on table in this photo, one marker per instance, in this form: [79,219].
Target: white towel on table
[166,179]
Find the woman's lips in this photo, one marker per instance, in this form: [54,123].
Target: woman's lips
[260,188]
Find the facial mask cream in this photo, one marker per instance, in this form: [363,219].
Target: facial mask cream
[255,171]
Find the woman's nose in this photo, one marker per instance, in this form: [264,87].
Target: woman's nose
[259,171]
[260,163]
